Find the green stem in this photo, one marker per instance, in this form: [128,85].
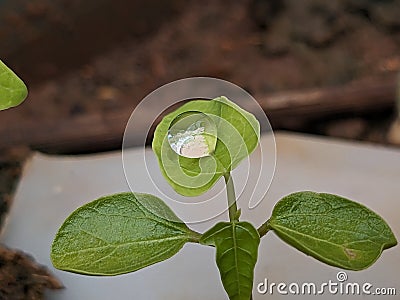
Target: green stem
[230,191]
[195,237]
[264,228]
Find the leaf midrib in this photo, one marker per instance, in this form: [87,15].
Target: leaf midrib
[313,237]
[116,245]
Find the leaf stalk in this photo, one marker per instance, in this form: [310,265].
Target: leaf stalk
[264,228]
[231,197]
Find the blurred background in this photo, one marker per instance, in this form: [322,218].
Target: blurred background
[315,66]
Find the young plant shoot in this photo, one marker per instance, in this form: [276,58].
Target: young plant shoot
[197,145]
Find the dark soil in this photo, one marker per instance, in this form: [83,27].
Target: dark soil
[21,278]
[11,163]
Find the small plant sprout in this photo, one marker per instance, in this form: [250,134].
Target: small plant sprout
[13,91]
[197,145]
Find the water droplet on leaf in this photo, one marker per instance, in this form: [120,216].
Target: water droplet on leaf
[193,134]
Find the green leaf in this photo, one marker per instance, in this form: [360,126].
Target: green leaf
[237,249]
[119,234]
[332,229]
[12,89]
[238,134]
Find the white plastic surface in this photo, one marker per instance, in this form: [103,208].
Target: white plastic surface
[52,187]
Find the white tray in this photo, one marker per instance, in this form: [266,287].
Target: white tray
[53,186]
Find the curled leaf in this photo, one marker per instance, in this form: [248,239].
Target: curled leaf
[196,170]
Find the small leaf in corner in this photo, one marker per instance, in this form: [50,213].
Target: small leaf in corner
[13,91]
[332,229]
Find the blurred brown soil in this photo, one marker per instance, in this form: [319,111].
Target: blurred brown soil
[263,46]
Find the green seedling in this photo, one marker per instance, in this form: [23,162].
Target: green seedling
[196,145]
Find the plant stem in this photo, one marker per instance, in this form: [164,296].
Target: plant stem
[195,238]
[263,229]
[230,191]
